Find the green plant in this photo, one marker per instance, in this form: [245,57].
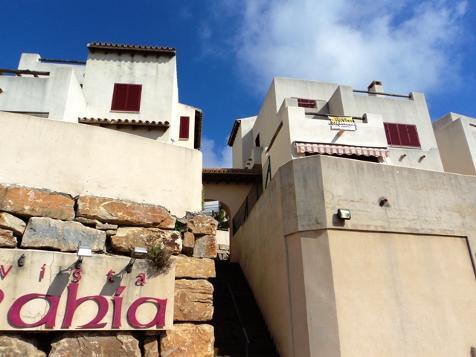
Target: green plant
[159,258]
[180,226]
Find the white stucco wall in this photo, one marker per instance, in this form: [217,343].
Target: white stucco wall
[456,137]
[159,95]
[280,152]
[74,90]
[340,100]
[156,75]
[32,62]
[298,88]
[187,111]
[82,159]
[243,143]
[58,94]
[405,111]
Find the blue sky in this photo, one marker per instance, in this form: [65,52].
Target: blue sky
[229,50]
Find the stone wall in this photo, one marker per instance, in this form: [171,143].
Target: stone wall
[46,220]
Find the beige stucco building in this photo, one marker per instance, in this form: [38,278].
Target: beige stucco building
[302,117]
[128,88]
[456,138]
[396,279]
[366,257]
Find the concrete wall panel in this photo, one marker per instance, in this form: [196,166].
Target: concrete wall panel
[82,159]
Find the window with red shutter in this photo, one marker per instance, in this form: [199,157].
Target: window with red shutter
[126,97]
[401,135]
[306,103]
[184,127]
[413,136]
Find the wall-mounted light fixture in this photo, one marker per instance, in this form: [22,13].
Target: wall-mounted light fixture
[138,252]
[21,260]
[83,251]
[344,214]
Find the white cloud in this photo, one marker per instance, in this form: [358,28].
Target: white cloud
[215,155]
[407,45]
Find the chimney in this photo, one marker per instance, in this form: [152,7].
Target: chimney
[375,87]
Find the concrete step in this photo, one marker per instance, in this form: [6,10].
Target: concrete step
[236,310]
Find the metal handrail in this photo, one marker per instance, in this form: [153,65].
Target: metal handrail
[237,310]
[332,115]
[408,96]
[19,72]
[61,61]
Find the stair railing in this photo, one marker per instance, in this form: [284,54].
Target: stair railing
[237,310]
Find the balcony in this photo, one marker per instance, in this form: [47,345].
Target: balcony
[315,126]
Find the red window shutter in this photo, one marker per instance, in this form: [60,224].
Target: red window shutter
[403,134]
[413,136]
[126,97]
[306,103]
[119,97]
[133,97]
[184,127]
[391,131]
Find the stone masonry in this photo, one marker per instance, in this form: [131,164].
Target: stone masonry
[41,219]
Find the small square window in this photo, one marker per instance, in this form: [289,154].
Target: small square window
[402,135]
[306,103]
[126,97]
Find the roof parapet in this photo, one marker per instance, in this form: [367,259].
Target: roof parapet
[115,47]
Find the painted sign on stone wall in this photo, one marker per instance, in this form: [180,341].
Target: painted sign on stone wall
[42,290]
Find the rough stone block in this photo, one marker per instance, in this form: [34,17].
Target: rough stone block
[201,224]
[151,346]
[32,202]
[188,243]
[195,268]
[188,340]
[205,247]
[87,221]
[124,212]
[7,240]
[193,300]
[15,224]
[95,344]
[42,232]
[127,238]
[15,345]
[106,226]
[111,232]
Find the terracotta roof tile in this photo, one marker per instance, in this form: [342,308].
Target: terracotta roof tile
[131,48]
[135,122]
[230,175]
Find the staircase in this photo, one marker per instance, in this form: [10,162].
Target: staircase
[239,327]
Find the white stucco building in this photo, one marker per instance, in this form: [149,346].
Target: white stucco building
[456,137]
[301,117]
[128,88]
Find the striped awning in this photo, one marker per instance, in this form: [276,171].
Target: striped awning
[332,149]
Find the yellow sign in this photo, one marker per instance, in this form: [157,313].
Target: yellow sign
[342,123]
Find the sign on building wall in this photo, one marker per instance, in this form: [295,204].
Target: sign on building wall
[342,123]
[50,292]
